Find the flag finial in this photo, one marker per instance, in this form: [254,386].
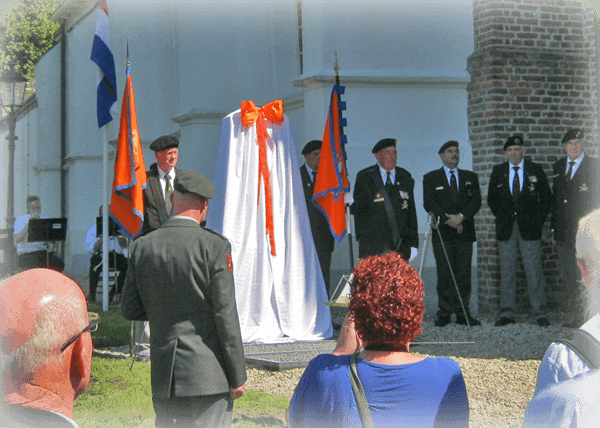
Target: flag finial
[336,68]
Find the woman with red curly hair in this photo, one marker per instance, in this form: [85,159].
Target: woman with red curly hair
[402,389]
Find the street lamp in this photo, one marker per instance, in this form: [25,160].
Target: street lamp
[12,94]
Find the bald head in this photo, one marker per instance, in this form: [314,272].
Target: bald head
[41,310]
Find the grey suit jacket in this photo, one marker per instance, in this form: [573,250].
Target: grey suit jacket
[180,279]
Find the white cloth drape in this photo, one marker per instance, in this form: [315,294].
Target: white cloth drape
[279,298]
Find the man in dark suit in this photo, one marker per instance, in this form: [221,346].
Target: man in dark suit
[385,217]
[180,279]
[452,195]
[160,178]
[319,225]
[520,198]
[157,209]
[575,191]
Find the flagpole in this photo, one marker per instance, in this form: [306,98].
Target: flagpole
[348,224]
[105,214]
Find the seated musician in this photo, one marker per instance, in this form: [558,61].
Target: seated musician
[34,254]
[117,247]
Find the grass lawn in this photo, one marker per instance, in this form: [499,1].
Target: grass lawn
[120,397]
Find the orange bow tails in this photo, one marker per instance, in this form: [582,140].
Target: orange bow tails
[272,112]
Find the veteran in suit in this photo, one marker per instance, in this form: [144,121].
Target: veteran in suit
[452,195]
[322,236]
[385,217]
[575,194]
[520,198]
[159,182]
[180,279]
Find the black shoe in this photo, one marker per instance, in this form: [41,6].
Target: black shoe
[460,319]
[442,321]
[543,322]
[504,321]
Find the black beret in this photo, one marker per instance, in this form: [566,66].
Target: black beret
[515,140]
[164,142]
[572,134]
[382,144]
[447,145]
[187,181]
[311,146]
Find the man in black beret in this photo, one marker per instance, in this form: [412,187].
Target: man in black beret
[160,178]
[385,217]
[452,195]
[519,196]
[322,236]
[575,191]
[180,279]
[157,209]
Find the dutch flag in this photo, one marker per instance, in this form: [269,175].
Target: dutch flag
[103,57]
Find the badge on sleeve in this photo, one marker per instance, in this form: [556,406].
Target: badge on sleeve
[229,263]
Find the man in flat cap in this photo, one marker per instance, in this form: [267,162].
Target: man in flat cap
[319,225]
[385,217]
[575,191]
[452,195]
[180,279]
[519,196]
[160,179]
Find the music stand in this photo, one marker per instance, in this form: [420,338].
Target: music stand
[47,229]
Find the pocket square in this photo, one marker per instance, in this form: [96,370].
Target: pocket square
[439,188]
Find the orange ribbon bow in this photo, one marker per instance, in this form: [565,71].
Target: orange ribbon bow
[272,112]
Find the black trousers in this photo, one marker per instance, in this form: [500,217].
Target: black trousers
[198,411]
[40,259]
[460,254]
[121,266]
[576,292]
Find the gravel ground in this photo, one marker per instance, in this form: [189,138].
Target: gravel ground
[499,365]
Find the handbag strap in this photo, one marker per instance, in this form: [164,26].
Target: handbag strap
[585,345]
[359,395]
[389,210]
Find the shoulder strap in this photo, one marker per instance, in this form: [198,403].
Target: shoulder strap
[359,395]
[388,207]
[585,345]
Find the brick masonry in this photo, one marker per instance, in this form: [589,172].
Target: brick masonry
[534,72]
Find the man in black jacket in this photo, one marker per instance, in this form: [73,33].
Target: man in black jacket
[319,225]
[575,190]
[385,217]
[452,195]
[520,198]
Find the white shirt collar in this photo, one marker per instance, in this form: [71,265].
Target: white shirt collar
[578,160]
[384,172]
[184,217]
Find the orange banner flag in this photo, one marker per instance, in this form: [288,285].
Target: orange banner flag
[127,202]
[332,178]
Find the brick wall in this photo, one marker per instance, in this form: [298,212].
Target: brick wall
[534,73]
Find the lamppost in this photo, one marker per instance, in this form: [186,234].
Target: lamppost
[12,94]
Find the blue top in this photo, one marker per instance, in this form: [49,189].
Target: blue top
[427,393]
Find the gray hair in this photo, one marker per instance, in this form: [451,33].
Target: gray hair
[588,249]
[61,316]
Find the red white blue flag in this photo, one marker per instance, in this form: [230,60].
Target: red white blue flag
[332,179]
[103,57]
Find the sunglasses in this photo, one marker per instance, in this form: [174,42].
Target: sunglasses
[91,327]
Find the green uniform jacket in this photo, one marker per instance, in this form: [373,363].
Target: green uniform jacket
[180,279]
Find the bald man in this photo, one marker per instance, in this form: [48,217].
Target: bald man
[46,348]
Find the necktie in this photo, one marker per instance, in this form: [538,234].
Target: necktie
[314,178]
[516,187]
[453,185]
[388,183]
[570,170]
[168,191]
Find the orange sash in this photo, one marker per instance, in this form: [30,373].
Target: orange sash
[272,112]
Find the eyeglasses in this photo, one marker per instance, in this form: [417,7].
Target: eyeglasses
[92,326]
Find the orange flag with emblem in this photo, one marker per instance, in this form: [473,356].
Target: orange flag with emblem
[332,178]
[127,202]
